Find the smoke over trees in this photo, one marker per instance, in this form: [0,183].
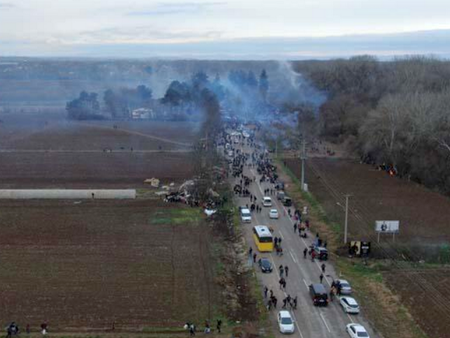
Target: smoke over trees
[389,112]
[85,107]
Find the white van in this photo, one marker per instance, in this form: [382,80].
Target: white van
[267,201]
[246,216]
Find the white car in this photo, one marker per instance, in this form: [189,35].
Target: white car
[357,331]
[346,289]
[273,214]
[246,216]
[267,201]
[285,322]
[349,305]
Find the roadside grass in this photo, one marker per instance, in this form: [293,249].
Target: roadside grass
[375,298]
[177,216]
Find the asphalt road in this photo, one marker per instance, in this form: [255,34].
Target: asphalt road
[311,321]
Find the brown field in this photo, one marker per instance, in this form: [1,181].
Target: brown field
[136,263]
[47,151]
[87,264]
[431,315]
[423,214]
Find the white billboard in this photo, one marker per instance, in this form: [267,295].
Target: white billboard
[387,227]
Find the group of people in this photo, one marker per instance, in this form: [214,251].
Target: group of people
[13,329]
[193,329]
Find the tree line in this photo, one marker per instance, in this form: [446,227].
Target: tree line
[181,99]
[392,112]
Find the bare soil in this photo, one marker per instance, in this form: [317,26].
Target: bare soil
[98,262]
[432,317]
[422,213]
[39,151]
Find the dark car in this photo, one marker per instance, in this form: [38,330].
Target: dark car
[265,265]
[318,294]
[321,253]
[287,202]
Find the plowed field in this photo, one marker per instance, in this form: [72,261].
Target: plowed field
[135,263]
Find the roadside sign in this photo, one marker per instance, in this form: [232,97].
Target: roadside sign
[387,227]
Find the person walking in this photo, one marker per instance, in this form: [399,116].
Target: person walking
[192,330]
[219,325]
[274,302]
[281,269]
[313,255]
[254,258]
[265,291]
[305,252]
[250,251]
[323,267]
[321,278]
[284,303]
[294,303]
[295,227]
[286,270]
[271,293]
[282,281]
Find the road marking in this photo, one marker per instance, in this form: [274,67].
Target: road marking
[296,324]
[324,321]
[281,235]
[349,317]
[306,284]
[293,257]
[257,182]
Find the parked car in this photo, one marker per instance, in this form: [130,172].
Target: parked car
[267,201]
[246,216]
[346,289]
[321,253]
[356,331]
[279,185]
[318,294]
[273,214]
[280,195]
[349,305]
[265,265]
[287,202]
[285,322]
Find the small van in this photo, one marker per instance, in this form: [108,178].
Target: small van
[267,201]
[246,216]
[318,294]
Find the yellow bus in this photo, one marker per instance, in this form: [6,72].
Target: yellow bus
[263,238]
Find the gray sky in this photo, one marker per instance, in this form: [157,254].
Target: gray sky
[195,28]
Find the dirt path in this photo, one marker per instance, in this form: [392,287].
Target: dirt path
[132,132]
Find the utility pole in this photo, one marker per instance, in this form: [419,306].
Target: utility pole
[303,158]
[346,218]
